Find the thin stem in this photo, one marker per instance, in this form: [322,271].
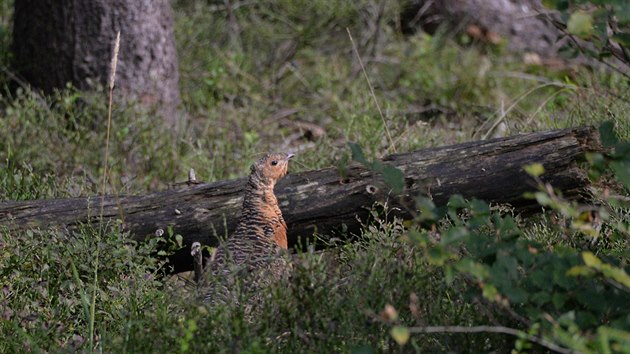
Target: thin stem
[356,52]
[109,116]
[93,302]
[518,99]
[112,77]
[492,329]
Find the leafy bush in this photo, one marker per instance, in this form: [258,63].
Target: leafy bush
[50,280]
[604,23]
[334,301]
[463,277]
[565,296]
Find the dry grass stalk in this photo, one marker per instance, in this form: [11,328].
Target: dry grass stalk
[378,106]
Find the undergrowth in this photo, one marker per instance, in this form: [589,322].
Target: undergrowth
[282,76]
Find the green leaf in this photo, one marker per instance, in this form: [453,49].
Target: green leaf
[361,349]
[478,221]
[622,151]
[438,255]
[515,294]
[607,134]
[375,166]
[535,169]
[595,159]
[617,274]
[529,195]
[580,24]
[400,334]
[506,226]
[600,38]
[622,13]
[542,198]
[558,299]
[357,153]
[449,274]
[427,209]
[580,270]
[479,207]
[456,201]
[342,166]
[556,4]
[179,239]
[540,297]
[394,178]
[623,39]
[477,270]
[419,238]
[454,234]
[622,171]
[490,292]
[591,260]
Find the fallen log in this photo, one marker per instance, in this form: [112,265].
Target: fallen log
[323,201]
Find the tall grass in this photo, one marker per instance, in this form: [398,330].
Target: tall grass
[286,79]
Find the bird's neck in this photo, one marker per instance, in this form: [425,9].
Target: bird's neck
[259,192]
[261,210]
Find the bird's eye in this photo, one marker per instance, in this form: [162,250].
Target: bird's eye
[274,162]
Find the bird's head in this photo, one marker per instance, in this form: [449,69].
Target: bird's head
[270,168]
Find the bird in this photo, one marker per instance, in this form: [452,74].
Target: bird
[255,248]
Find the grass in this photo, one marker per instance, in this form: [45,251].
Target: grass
[288,81]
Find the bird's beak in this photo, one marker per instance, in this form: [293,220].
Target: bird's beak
[289,156]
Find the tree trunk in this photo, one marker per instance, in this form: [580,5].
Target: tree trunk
[515,20]
[324,202]
[61,41]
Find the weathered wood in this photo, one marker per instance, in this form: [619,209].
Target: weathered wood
[320,200]
[519,22]
[57,42]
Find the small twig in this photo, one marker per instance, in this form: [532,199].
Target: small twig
[530,77]
[505,112]
[543,104]
[492,329]
[195,252]
[356,52]
[562,28]
[192,177]
[423,10]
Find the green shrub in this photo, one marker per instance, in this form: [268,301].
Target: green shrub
[48,280]
[557,277]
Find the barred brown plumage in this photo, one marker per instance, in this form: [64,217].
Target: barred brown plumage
[253,249]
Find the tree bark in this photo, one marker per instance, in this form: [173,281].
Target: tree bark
[516,20]
[61,41]
[322,201]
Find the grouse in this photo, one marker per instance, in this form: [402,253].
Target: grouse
[253,250]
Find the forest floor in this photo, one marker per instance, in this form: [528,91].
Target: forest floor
[289,81]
